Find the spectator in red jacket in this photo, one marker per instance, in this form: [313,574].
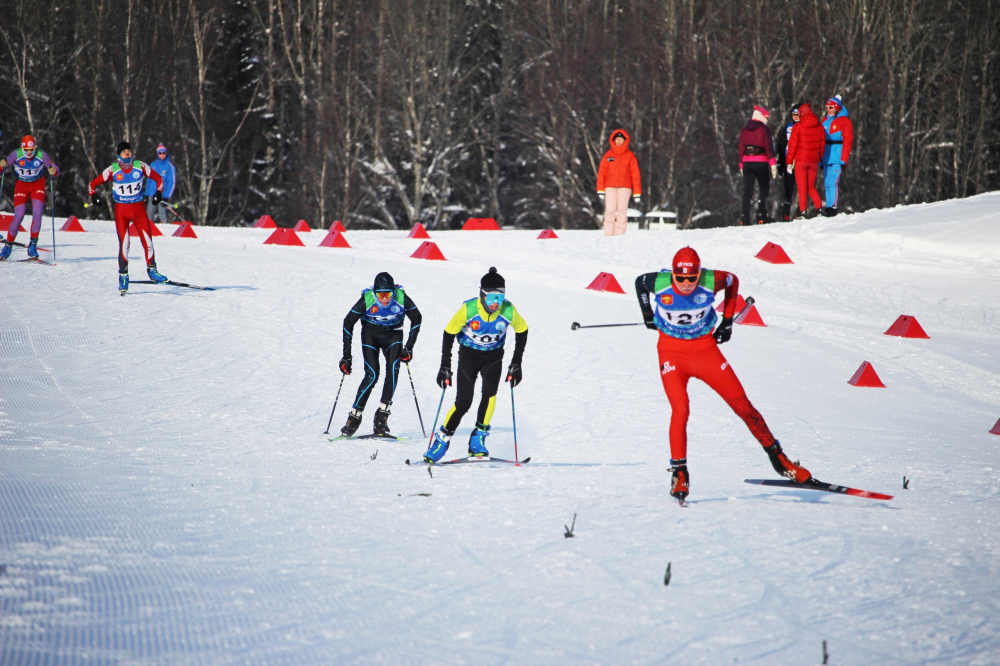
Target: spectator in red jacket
[805,149]
[758,161]
[617,180]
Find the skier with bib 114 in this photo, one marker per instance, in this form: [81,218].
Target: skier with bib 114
[481,325]
[679,304]
[30,164]
[381,309]
[127,177]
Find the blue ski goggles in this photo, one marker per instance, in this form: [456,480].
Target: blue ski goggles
[492,299]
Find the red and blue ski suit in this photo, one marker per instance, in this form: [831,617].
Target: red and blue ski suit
[687,349]
[839,140]
[127,187]
[30,184]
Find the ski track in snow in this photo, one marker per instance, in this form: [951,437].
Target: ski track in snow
[166,497]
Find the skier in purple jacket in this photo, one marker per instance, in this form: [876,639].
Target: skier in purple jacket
[758,161]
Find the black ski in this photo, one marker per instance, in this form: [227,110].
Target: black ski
[35,261]
[479,461]
[388,438]
[813,484]
[173,284]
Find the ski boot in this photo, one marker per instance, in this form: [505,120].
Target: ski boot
[154,275]
[5,251]
[680,481]
[33,248]
[442,438]
[380,423]
[785,467]
[353,423]
[477,442]
[123,283]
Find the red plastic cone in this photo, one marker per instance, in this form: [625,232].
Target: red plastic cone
[418,231]
[337,226]
[996,428]
[866,376]
[133,232]
[334,239]
[606,282]
[72,224]
[906,326]
[5,221]
[284,237]
[773,254]
[548,233]
[184,230]
[302,226]
[265,222]
[751,318]
[428,250]
[481,224]
[740,303]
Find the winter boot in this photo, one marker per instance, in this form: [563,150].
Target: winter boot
[680,481]
[123,282]
[786,212]
[33,248]
[5,251]
[353,423]
[442,438]
[785,467]
[380,423]
[154,275]
[477,442]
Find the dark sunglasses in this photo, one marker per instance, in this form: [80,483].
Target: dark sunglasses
[686,278]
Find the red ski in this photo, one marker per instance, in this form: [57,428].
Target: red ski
[813,484]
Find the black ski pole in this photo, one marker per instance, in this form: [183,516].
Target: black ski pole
[749,301]
[415,400]
[576,325]
[440,402]
[513,418]
[327,431]
[52,193]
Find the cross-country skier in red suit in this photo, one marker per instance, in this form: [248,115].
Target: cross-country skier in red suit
[128,184]
[30,164]
[679,303]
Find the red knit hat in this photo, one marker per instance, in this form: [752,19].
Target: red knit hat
[686,262]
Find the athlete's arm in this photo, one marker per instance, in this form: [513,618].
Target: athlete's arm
[644,285]
[520,327]
[450,331]
[353,315]
[4,163]
[731,283]
[413,314]
[47,163]
[104,177]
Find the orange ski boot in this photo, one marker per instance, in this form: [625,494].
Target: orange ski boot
[785,467]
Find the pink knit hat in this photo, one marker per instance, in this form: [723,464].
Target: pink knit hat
[760,113]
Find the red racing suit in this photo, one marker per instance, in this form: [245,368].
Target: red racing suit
[127,191]
[687,349]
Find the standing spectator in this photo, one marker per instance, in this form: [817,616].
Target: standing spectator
[805,150]
[617,180]
[787,176]
[168,173]
[757,162]
[839,139]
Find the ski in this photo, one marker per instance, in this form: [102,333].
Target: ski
[20,244]
[173,284]
[813,484]
[387,438]
[459,461]
[35,261]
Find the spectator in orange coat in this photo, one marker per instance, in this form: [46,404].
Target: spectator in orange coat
[805,149]
[617,180]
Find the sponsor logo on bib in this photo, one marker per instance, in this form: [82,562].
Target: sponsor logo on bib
[666,299]
[374,309]
[475,325]
[119,177]
[501,326]
[700,298]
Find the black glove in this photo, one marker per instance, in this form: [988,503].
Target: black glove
[405,354]
[725,330]
[514,374]
[444,377]
[843,168]
[157,198]
[345,365]
[95,199]
[650,323]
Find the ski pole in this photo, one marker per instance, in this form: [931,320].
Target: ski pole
[749,301]
[415,400]
[440,402]
[513,418]
[576,325]
[327,431]
[52,193]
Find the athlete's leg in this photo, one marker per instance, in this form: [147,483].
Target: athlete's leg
[21,195]
[491,372]
[369,352]
[37,207]
[469,363]
[122,221]
[713,369]
[143,226]
[392,342]
[675,373]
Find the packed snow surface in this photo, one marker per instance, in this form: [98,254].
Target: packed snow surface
[166,496]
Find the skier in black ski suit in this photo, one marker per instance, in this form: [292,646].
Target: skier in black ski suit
[381,309]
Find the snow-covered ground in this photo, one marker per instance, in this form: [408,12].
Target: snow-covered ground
[166,496]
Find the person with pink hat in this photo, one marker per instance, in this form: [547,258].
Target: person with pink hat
[758,162]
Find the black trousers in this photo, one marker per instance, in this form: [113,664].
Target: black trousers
[786,204]
[761,172]
[473,363]
[388,341]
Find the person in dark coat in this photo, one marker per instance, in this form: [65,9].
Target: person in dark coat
[787,175]
[758,161]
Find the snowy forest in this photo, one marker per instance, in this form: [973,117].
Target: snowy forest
[383,113]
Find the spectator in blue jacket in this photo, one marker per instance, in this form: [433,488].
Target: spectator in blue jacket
[839,140]
[168,173]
